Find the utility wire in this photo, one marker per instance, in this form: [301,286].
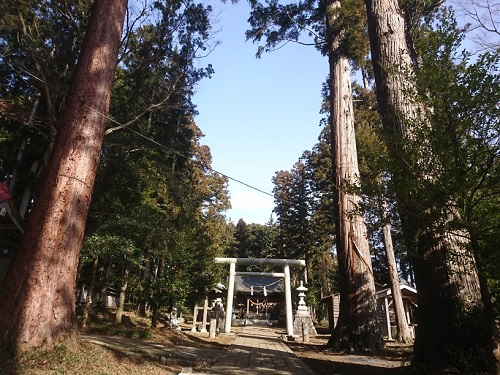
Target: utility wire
[107,117]
[186,157]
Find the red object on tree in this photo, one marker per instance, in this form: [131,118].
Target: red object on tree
[4,192]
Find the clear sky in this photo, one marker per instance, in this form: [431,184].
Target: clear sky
[258,115]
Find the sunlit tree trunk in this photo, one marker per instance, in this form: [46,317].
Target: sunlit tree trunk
[38,293]
[141,304]
[452,329]
[121,298]
[403,330]
[356,327]
[156,307]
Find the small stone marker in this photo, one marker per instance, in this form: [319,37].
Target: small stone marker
[213,328]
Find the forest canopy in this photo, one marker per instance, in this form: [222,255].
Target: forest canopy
[410,153]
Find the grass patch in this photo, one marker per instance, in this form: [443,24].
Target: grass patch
[96,359]
[132,333]
[90,359]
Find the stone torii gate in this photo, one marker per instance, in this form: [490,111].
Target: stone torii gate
[286,263]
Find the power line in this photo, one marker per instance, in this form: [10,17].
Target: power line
[107,117]
[186,157]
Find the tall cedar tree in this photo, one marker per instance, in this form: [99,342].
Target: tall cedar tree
[38,292]
[278,23]
[356,326]
[452,331]
[372,155]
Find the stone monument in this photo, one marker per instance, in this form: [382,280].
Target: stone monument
[303,325]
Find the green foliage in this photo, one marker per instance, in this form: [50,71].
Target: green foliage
[39,45]
[293,199]
[374,166]
[254,241]
[156,216]
[40,42]
[306,22]
[305,221]
[463,92]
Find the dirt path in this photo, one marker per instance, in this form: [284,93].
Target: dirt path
[394,360]
[195,354]
[198,352]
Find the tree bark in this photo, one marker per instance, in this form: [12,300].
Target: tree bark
[356,327]
[403,334]
[121,298]
[451,329]
[142,300]
[156,307]
[38,293]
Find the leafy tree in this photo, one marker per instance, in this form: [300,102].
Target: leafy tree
[176,213]
[450,303]
[293,209]
[40,42]
[323,271]
[339,29]
[262,239]
[373,167]
[242,240]
[464,138]
[164,183]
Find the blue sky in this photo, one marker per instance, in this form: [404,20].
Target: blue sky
[258,115]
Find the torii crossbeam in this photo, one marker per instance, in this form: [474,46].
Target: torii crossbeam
[286,263]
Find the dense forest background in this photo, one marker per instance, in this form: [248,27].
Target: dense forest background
[157,217]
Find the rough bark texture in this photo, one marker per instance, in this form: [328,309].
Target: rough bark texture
[451,330]
[160,270]
[121,298]
[403,330]
[38,293]
[356,327]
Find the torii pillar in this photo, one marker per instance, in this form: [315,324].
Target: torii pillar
[286,263]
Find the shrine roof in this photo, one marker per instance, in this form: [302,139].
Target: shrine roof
[243,284]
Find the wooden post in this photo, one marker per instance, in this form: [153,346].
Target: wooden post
[331,312]
[230,296]
[213,328]
[205,311]
[288,301]
[388,319]
[195,314]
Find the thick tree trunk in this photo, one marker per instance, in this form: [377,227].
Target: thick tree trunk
[38,293]
[452,330]
[141,304]
[121,299]
[155,316]
[403,330]
[356,327]
[157,291]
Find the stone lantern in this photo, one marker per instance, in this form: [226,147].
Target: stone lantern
[303,325]
[302,309]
